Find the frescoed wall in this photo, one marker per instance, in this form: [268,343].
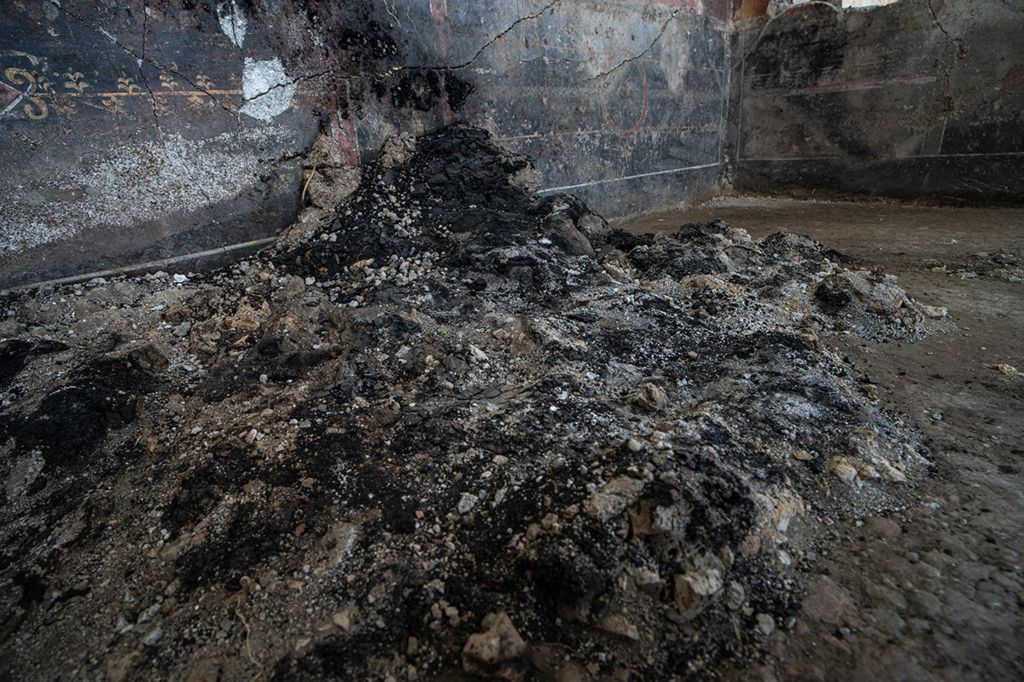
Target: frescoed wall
[917,99]
[135,131]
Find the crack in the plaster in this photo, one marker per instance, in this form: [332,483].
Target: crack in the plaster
[391,10]
[630,60]
[467,64]
[149,60]
[286,158]
[145,30]
[173,159]
[960,47]
[335,77]
[234,32]
[146,83]
[294,81]
[511,27]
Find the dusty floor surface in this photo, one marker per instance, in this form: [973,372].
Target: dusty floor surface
[934,591]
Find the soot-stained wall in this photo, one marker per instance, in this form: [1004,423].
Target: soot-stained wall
[919,98]
[134,131]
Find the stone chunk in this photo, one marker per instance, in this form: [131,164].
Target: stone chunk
[613,498]
[843,470]
[497,653]
[693,587]
[651,397]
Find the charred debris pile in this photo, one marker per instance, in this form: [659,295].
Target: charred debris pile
[455,429]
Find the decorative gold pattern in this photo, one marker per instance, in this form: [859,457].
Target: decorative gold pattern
[39,97]
[127,85]
[75,82]
[35,108]
[113,103]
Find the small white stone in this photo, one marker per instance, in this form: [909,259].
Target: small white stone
[765,624]
[467,502]
[477,354]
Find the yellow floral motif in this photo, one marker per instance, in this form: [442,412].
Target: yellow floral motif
[128,86]
[35,108]
[75,82]
[40,95]
[160,105]
[44,83]
[203,82]
[114,104]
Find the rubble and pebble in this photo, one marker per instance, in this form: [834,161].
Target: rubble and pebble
[449,428]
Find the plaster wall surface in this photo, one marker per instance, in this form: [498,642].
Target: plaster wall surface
[135,131]
[914,99]
[147,130]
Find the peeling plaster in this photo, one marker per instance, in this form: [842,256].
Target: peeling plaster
[232,22]
[266,89]
[855,4]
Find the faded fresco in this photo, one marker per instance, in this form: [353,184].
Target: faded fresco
[170,127]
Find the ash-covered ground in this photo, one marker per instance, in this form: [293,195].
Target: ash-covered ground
[453,431]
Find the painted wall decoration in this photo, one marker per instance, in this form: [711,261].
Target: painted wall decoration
[65,92]
[169,127]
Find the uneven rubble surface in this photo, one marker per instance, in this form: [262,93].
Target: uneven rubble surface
[455,431]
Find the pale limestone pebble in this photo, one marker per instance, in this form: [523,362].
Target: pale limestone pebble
[842,469]
[617,273]
[693,587]
[499,652]
[735,596]
[651,397]
[1008,370]
[477,354]
[765,624]
[467,502]
[787,507]
[612,499]
[889,471]
[345,618]
[620,626]
[866,471]
[802,455]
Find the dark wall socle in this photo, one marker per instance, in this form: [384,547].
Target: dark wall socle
[914,100]
[140,132]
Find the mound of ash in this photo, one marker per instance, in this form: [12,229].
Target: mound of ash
[456,430]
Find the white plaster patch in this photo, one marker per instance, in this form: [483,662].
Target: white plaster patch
[266,89]
[232,22]
[855,4]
